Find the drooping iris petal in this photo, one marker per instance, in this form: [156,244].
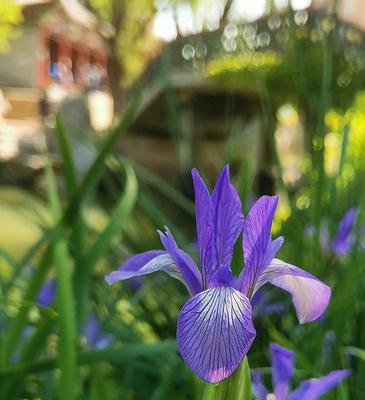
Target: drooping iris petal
[228,217]
[310,296]
[215,331]
[313,389]
[344,238]
[204,226]
[184,263]
[143,264]
[282,361]
[257,245]
[47,293]
[259,390]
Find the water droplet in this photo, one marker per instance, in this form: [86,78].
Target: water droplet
[343,79]
[229,45]
[301,17]
[274,22]
[263,39]
[328,24]
[188,52]
[201,50]
[230,31]
[353,35]
[249,32]
[317,143]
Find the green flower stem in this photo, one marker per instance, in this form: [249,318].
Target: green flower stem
[236,387]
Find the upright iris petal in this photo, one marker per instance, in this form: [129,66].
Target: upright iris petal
[282,369]
[258,249]
[204,226]
[228,218]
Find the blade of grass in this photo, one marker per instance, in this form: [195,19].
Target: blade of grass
[64,300]
[100,246]
[116,354]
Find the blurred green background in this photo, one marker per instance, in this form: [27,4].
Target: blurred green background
[105,106]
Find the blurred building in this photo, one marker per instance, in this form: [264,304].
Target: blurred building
[59,48]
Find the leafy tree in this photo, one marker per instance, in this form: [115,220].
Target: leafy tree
[128,29]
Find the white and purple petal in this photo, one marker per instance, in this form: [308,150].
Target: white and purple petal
[215,332]
[310,296]
[190,273]
[258,249]
[282,361]
[144,264]
[313,389]
[228,217]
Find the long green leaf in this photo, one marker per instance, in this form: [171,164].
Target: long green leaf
[103,241]
[64,300]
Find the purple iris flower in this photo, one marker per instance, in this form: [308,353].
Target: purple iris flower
[215,328]
[94,336]
[344,238]
[47,293]
[282,361]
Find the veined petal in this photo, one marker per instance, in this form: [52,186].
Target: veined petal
[258,250]
[310,296]
[215,331]
[204,226]
[143,264]
[228,217]
[184,263]
[258,389]
[313,389]
[282,361]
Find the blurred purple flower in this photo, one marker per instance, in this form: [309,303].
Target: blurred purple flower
[215,328]
[282,361]
[344,237]
[94,336]
[263,305]
[47,293]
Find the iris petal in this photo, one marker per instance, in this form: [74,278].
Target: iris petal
[313,389]
[204,226]
[282,369]
[258,389]
[214,332]
[144,264]
[185,264]
[258,250]
[310,296]
[228,217]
